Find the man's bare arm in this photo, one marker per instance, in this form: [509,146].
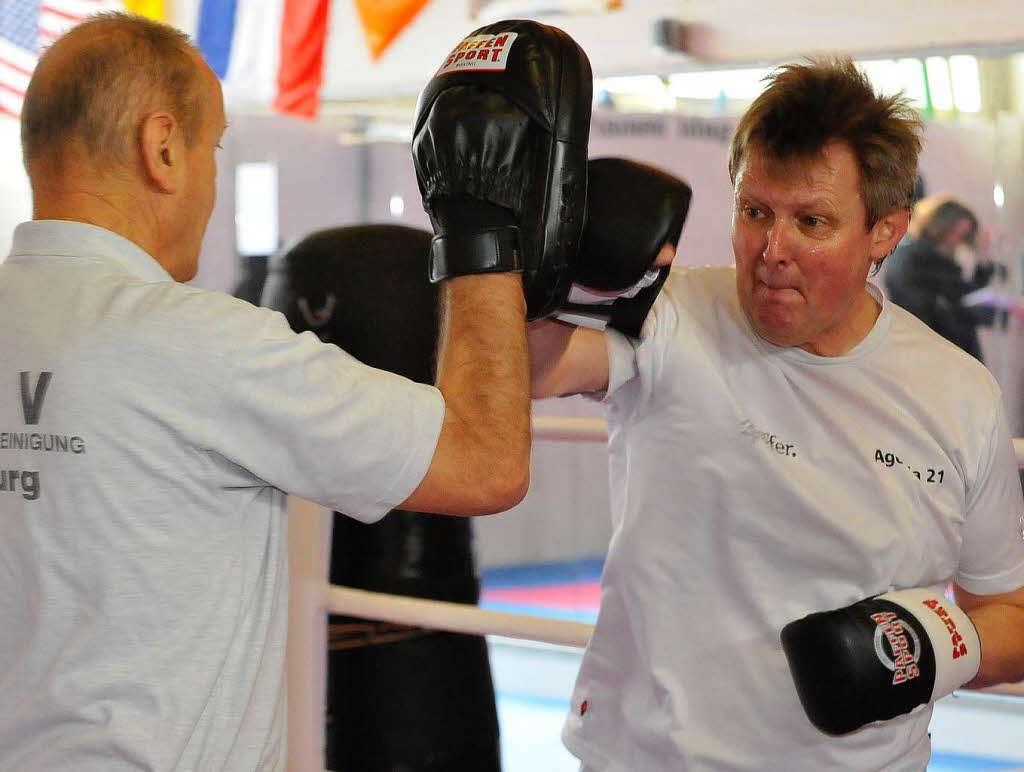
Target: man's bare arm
[565,359]
[482,461]
[999,620]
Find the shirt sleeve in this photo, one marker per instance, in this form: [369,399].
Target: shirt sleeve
[992,550]
[302,415]
[621,360]
[634,363]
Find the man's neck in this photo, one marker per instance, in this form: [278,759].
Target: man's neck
[116,211]
[857,326]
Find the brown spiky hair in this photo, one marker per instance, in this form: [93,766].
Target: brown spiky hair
[809,105]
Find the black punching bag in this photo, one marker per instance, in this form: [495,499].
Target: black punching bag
[398,699]
[252,275]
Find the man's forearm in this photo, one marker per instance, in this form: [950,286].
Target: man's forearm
[1001,631]
[565,359]
[483,373]
[547,341]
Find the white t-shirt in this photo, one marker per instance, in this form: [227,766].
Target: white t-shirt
[753,484]
[147,431]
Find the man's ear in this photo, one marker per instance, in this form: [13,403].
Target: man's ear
[887,232]
[160,147]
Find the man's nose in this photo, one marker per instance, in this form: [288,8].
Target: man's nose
[776,246]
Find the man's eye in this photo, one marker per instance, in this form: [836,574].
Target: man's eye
[812,221]
[752,212]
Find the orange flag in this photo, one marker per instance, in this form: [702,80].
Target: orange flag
[383,20]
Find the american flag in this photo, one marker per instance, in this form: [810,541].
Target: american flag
[27,27]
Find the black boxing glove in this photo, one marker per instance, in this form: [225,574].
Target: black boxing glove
[880,657]
[500,150]
[632,211]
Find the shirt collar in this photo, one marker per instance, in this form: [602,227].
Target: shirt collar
[68,238]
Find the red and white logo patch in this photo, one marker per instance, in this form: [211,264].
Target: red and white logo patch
[904,647]
[481,53]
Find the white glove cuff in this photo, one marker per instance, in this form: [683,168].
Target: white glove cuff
[952,634]
[580,294]
[600,301]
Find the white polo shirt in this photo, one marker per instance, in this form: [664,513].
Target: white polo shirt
[147,431]
[753,484]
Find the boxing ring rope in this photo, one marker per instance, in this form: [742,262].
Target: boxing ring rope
[454,617]
[312,598]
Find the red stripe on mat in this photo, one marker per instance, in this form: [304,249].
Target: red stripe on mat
[576,595]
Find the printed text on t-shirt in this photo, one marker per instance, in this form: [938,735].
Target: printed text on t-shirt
[889,460]
[771,440]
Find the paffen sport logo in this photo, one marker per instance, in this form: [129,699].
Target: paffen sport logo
[897,646]
[480,53]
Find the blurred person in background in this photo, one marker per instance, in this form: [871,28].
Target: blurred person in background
[925,275]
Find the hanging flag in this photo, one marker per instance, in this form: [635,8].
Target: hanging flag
[27,27]
[301,74]
[266,52]
[216,29]
[383,20]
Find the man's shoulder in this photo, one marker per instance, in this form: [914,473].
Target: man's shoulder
[173,316]
[694,297]
[196,305]
[935,357]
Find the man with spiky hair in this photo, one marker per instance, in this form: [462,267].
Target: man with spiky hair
[783,443]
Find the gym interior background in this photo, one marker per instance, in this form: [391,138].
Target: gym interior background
[672,76]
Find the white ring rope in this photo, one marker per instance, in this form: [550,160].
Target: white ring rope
[454,617]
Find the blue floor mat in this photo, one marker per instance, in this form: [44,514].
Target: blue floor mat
[536,574]
[956,762]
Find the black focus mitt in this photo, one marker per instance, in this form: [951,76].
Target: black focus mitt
[500,150]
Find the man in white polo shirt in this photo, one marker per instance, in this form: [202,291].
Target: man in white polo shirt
[148,429]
